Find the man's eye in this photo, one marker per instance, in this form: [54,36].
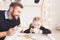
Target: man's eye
[19,12]
[38,24]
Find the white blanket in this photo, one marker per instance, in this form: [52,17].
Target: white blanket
[20,36]
[33,37]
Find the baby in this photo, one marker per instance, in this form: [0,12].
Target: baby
[36,27]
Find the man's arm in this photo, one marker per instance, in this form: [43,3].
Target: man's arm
[11,31]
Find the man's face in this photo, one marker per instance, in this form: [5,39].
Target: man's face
[16,12]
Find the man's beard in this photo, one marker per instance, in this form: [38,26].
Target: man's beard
[15,17]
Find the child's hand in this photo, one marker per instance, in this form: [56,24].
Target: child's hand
[21,31]
[31,30]
[40,31]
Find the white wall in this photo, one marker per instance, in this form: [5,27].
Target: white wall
[55,12]
[30,10]
[29,13]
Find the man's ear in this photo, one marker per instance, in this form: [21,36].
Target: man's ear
[11,9]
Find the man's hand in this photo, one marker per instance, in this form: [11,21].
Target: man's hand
[11,31]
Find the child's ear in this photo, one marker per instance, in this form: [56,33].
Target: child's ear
[42,21]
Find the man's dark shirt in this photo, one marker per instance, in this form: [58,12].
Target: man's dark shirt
[6,24]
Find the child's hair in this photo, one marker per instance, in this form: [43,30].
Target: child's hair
[37,19]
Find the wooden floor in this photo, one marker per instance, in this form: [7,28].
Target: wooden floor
[56,34]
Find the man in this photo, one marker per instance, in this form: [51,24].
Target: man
[9,19]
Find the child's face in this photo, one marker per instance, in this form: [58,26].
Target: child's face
[37,24]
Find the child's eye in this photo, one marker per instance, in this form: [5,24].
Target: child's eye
[34,24]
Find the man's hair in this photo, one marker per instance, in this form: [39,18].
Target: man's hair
[14,4]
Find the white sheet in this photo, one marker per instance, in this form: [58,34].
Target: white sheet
[20,36]
[33,37]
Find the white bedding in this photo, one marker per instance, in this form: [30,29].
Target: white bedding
[20,36]
[33,37]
